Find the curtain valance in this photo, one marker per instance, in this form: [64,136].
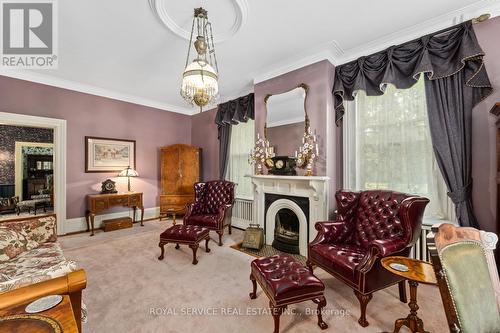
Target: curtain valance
[231,113]
[235,111]
[439,55]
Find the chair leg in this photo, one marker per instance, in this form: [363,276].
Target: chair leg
[220,233]
[276,311]
[229,229]
[363,302]
[194,247]
[162,247]
[402,291]
[253,294]
[206,244]
[321,304]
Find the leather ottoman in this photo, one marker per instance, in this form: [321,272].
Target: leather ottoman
[286,281]
[190,235]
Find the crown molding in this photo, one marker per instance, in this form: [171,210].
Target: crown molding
[426,27]
[337,55]
[93,90]
[289,65]
[159,8]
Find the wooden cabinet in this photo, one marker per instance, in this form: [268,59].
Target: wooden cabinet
[180,169]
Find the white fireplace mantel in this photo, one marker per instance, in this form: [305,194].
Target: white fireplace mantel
[315,188]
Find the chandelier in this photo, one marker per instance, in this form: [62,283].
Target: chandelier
[200,79]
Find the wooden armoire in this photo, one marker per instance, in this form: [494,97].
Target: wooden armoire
[180,169]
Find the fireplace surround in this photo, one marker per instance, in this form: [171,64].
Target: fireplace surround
[306,197]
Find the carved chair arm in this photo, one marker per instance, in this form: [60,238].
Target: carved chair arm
[330,232]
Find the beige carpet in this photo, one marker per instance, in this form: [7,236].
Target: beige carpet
[130,290]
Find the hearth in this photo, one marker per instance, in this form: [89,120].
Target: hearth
[286,231]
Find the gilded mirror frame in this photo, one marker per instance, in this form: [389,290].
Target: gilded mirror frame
[306,116]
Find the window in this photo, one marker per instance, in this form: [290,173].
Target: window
[242,140]
[388,146]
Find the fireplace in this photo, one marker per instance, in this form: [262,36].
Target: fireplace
[305,196]
[286,231]
[288,216]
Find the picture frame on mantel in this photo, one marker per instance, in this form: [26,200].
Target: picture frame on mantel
[108,154]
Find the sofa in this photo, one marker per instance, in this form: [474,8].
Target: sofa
[30,253]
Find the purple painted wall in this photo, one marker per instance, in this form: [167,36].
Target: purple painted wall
[319,78]
[286,139]
[204,135]
[98,116]
[484,131]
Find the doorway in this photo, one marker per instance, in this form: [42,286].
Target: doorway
[53,173]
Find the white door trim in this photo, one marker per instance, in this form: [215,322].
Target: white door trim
[59,127]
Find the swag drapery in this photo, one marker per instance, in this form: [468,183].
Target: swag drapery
[231,113]
[455,81]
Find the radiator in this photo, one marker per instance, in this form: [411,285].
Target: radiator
[419,250]
[242,213]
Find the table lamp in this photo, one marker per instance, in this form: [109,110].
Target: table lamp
[128,172]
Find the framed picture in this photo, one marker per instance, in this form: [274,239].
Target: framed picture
[108,155]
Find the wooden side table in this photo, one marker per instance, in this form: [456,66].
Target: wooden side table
[61,313]
[98,203]
[418,272]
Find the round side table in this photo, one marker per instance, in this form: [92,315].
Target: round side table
[418,272]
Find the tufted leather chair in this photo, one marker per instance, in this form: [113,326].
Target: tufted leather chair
[369,225]
[212,207]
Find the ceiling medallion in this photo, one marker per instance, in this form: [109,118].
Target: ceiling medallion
[159,7]
[200,79]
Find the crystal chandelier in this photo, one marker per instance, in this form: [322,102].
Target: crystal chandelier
[200,79]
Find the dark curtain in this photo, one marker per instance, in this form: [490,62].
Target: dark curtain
[228,114]
[456,80]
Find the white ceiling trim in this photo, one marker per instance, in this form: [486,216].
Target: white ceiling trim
[334,52]
[160,9]
[93,90]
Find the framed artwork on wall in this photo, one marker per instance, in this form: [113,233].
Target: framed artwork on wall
[108,155]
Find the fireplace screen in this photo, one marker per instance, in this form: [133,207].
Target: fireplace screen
[286,231]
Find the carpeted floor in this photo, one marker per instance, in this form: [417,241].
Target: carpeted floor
[130,290]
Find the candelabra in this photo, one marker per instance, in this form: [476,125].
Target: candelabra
[260,153]
[308,151]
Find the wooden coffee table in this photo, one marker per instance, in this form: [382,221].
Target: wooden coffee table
[418,272]
[62,314]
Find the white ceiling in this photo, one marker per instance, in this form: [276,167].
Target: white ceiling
[124,50]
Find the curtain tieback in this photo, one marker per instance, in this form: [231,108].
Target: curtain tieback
[462,194]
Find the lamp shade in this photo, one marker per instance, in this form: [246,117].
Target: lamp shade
[199,83]
[128,172]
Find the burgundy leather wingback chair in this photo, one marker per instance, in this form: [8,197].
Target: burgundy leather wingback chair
[369,225]
[212,207]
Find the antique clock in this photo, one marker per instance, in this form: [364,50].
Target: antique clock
[108,186]
[282,165]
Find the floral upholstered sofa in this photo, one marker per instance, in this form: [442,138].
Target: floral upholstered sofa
[30,253]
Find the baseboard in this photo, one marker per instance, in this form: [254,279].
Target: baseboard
[79,224]
[240,223]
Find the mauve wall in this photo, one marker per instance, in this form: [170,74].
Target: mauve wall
[204,135]
[484,131]
[319,77]
[98,116]
[286,139]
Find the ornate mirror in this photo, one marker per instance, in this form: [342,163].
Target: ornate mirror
[285,120]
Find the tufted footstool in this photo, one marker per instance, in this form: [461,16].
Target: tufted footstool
[190,235]
[286,281]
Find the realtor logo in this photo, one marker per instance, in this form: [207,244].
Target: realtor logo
[29,38]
